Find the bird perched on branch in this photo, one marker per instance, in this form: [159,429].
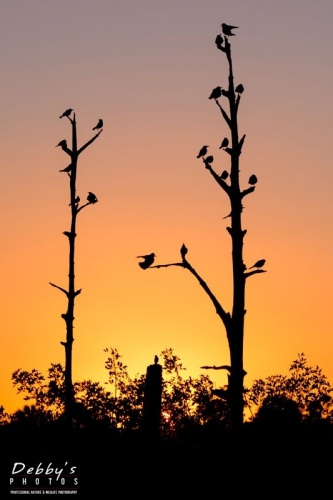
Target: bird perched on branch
[226,29]
[239,89]
[210,159]
[258,264]
[224,175]
[224,143]
[253,180]
[183,251]
[148,260]
[63,144]
[203,151]
[92,198]
[219,40]
[216,93]
[99,125]
[66,169]
[66,113]
[76,201]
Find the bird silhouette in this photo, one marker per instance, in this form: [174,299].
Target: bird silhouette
[224,175]
[226,29]
[239,89]
[92,198]
[253,180]
[210,159]
[224,143]
[66,113]
[216,93]
[258,264]
[63,144]
[203,151]
[66,169]
[99,124]
[155,359]
[148,260]
[219,40]
[183,251]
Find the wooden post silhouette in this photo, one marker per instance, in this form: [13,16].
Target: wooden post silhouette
[152,399]
[72,292]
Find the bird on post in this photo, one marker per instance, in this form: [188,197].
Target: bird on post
[224,143]
[63,144]
[66,113]
[148,260]
[203,151]
[99,125]
[253,180]
[258,264]
[239,89]
[92,198]
[183,251]
[216,93]
[226,29]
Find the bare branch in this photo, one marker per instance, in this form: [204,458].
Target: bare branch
[89,142]
[59,288]
[237,102]
[247,275]
[224,114]
[218,179]
[224,367]
[247,191]
[85,205]
[240,144]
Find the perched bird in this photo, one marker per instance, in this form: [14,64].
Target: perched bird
[225,143]
[253,180]
[66,113]
[92,198]
[226,29]
[148,260]
[183,251]
[216,93]
[219,40]
[203,151]
[224,175]
[63,144]
[210,159]
[66,169]
[155,359]
[99,124]
[258,264]
[239,89]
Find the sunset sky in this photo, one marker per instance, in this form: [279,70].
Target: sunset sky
[147,68]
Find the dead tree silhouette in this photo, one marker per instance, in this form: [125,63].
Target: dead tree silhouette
[229,182]
[71,293]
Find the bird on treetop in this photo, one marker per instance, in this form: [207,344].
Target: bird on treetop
[239,89]
[63,144]
[155,359]
[224,143]
[183,251]
[224,175]
[226,29]
[258,264]
[92,198]
[148,260]
[66,113]
[66,169]
[99,124]
[253,180]
[203,151]
[210,159]
[216,93]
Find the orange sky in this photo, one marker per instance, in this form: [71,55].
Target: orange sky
[147,69]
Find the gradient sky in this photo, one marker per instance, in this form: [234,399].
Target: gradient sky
[147,68]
